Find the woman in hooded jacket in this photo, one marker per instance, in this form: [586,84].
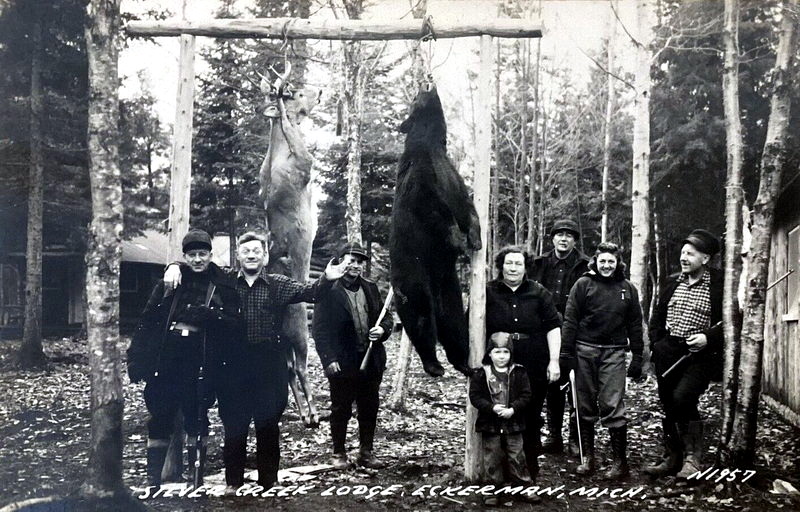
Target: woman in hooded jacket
[602,321]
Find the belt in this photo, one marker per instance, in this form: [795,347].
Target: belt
[518,336]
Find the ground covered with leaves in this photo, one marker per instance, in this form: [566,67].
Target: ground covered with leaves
[44,438]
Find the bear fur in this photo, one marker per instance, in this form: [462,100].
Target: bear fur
[433,222]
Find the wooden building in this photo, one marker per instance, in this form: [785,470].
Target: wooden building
[143,260]
[781,377]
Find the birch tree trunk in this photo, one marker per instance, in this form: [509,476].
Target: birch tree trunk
[519,201]
[608,127]
[734,198]
[30,351]
[531,239]
[354,82]
[640,218]
[104,473]
[773,159]
[397,399]
[494,192]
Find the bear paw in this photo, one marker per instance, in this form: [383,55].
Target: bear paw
[433,368]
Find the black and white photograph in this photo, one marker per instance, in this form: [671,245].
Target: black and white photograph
[415,255]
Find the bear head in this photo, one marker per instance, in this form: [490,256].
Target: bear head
[425,122]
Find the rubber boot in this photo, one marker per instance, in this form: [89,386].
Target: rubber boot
[586,466]
[156,455]
[692,437]
[672,459]
[619,446]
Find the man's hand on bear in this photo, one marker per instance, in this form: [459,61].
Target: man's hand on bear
[375,333]
[333,369]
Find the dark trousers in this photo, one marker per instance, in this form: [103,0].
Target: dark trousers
[600,385]
[259,392]
[535,359]
[347,388]
[175,390]
[680,391]
[504,459]
[556,398]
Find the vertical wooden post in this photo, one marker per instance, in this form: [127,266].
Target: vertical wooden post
[179,200]
[477,290]
[181,172]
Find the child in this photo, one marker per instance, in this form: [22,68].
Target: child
[500,391]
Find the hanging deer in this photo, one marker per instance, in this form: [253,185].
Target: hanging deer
[284,179]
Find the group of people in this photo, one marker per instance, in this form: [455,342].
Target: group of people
[558,327]
[208,333]
[561,326]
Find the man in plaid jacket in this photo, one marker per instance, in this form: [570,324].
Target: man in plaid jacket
[254,387]
[687,322]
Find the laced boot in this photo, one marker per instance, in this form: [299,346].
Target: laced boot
[619,445]
[586,466]
[692,437]
[672,459]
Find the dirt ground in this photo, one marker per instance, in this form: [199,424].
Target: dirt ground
[44,434]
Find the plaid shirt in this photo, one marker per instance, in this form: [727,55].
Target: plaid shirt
[689,309]
[264,303]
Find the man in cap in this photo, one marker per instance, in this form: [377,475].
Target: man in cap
[557,270]
[345,325]
[180,331]
[687,322]
[254,387]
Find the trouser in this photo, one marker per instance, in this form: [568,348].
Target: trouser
[260,393]
[346,389]
[504,459]
[535,358]
[175,390]
[680,391]
[557,395]
[600,385]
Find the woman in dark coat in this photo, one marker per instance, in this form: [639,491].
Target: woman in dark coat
[602,321]
[523,310]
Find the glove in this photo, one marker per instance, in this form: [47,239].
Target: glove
[635,369]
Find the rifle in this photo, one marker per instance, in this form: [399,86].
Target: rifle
[368,354]
[684,357]
[202,412]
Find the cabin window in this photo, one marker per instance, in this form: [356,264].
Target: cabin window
[793,280]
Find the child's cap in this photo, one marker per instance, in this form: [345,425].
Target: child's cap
[498,343]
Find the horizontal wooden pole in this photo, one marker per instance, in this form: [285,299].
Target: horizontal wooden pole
[299,28]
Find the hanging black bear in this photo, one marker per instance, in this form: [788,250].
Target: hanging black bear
[433,221]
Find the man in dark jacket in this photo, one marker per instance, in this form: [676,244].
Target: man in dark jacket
[345,324]
[255,387]
[557,270]
[196,325]
[687,322]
